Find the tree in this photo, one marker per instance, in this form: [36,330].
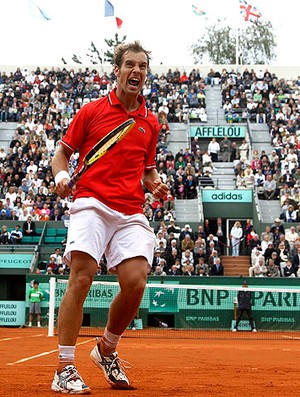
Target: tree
[256,44]
[217,45]
[112,44]
[93,52]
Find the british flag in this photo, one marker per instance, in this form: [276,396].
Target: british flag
[248,12]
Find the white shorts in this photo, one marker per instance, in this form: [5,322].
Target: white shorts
[97,229]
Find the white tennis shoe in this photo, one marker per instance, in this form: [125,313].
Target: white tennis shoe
[69,382]
[113,368]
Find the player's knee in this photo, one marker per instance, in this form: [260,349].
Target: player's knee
[81,283]
[134,289]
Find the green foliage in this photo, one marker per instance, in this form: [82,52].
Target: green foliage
[257,43]
[93,53]
[112,44]
[218,44]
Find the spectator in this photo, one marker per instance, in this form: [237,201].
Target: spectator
[16,235]
[187,243]
[289,270]
[272,269]
[52,264]
[291,215]
[159,271]
[296,259]
[270,187]
[49,271]
[260,269]
[226,148]
[236,234]
[188,269]
[57,256]
[213,150]
[174,271]
[29,227]
[217,268]
[169,207]
[277,228]
[186,230]
[187,256]
[201,268]
[5,237]
[35,297]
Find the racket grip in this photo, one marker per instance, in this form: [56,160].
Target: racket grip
[72,182]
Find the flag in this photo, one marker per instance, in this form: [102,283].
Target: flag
[37,11]
[109,11]
[248,12]
[197,11]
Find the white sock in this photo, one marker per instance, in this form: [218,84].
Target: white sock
[110,340]
[66,354]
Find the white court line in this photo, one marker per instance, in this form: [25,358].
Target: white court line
[6,339]
[19,337]
[291,337]
[45,353]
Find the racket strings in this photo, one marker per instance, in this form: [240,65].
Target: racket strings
[109,144]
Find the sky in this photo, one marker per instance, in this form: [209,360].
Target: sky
[166,27]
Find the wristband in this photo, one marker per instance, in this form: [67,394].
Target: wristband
[61,175]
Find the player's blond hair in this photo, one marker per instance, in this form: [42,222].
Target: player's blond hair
[123,48]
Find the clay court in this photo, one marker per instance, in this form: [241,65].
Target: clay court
[161,367]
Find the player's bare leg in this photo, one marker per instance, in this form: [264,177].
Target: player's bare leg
[132,275]
[67,379]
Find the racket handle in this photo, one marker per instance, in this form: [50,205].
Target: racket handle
[72,182]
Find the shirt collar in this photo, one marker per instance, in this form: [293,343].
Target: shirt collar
[114,101]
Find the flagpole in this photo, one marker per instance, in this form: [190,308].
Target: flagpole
[237,49]
[237,33]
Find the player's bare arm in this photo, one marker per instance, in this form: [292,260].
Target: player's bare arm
[60,162]
[154,184]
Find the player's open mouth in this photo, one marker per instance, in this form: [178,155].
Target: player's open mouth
[134,82]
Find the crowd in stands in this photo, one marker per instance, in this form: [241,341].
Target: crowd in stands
[183,251]
[275,102]
[44,102]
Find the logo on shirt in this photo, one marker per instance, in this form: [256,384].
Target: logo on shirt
[142,130]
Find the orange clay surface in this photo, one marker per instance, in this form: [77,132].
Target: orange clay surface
[161,367]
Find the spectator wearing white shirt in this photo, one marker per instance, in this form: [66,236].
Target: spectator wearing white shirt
[213,149]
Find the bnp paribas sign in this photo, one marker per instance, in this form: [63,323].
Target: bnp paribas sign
[210,131]
[226,196]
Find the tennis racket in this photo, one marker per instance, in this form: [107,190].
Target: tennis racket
[101,148]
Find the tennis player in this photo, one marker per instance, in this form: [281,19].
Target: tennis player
[107,216]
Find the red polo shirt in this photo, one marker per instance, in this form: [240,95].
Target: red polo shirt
[115,179]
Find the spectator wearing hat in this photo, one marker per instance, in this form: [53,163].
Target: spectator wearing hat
[156,258]
[277,228]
